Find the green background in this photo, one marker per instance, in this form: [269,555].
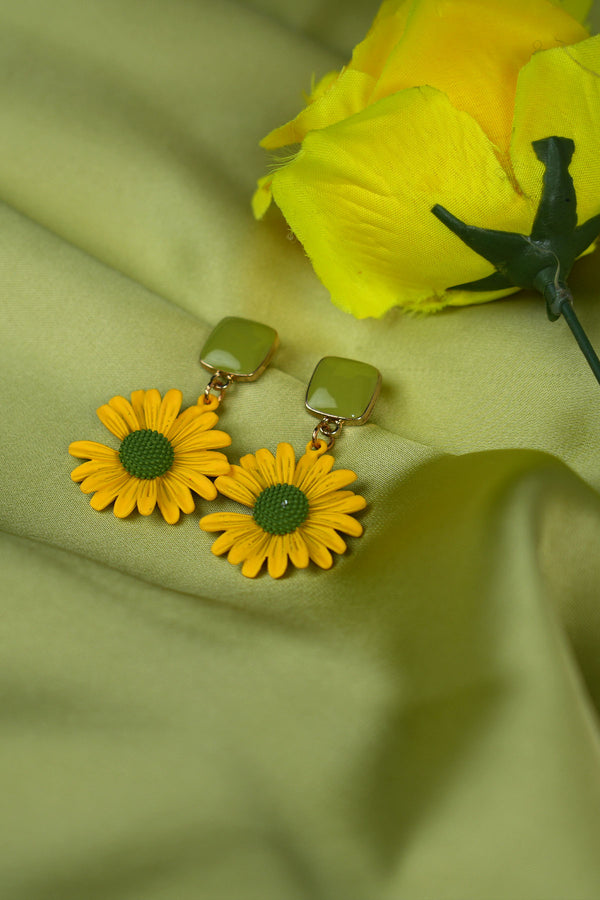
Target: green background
[418,723]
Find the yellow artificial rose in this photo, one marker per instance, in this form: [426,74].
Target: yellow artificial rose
[440,104]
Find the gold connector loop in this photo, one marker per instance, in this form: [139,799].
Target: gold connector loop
[217,386]
[329,430]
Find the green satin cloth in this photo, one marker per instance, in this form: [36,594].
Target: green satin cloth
[418,723]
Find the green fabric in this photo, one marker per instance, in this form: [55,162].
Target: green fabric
[418,723]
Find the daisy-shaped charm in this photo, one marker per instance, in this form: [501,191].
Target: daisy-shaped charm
[164,455]
[297,511]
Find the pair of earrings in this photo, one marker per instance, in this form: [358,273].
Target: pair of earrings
[297,508]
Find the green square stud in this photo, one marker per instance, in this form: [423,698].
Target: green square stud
[343,389]
[240,348]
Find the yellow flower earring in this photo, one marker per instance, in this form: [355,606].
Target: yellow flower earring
[166,455]
[298,508]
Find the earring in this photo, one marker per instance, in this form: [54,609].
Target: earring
[165,454]
[298,508]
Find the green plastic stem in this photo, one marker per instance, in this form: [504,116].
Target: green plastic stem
[581,337]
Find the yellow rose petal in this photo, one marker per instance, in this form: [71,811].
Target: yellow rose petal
[261,199]
[570,78]
[474,53]
[349,94]
[365,217]
[387,29]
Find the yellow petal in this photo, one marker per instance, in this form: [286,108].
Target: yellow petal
[113,421]
[487,44]
[243,477]
[338,521]
[253,563]
[386,31]
[265,462]
[570,78]
[225,541]
[152,408]
[95,467]
[348,95]
[365,218]
[277,555]
[224,520]
[254,479]
[193,480]
[169,409]
[104,480]
[311,468]
[127,499]
[124,409]
[180,491]
[247,545]
[104,498]
[261,199]
[147,494]
[192,420]
[208,462]
[92,450]
[321,534]
[167,502]
[339,502]
[332,482]
[137,402]
[298,550]
[341,94]
[285,464]
[317,551]
[201,440]
[231,487]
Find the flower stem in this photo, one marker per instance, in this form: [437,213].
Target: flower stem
[581,338]
[560,301]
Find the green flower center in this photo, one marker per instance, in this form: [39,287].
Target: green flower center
[146,453]
[280,509]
